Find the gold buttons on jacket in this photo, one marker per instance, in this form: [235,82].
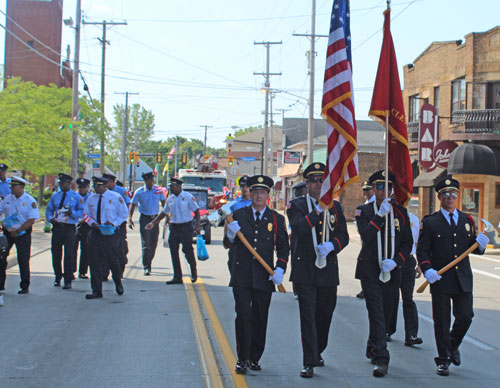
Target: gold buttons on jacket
[439,235]
[454,235]
[455,245]
[456,267]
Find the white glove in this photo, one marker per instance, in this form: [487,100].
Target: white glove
[232,230]
[482,240]
[432,276]
[385,207]
[318,207]
[388,265]
[325,248]
[277,278]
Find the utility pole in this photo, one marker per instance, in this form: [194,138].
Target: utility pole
[311,54]
[75,107]
[205,143]
[267,86]
[123,148]
[104,42]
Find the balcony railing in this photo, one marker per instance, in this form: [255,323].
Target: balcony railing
[413,132]
[476,121]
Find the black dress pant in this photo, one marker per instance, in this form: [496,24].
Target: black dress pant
[379,299]
[181,234]
[122,232]
[63,237]
[104,252]
[149,240]
[410,313]
[316,306]
[82,234]
[252,308]
[447,340]
[23,247]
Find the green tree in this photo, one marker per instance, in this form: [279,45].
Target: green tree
[244,131]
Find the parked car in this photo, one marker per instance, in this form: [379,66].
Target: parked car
[200,195]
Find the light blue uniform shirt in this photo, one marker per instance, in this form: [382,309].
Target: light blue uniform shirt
[113,208]
[148,200]
[123,192]
[179,207]
[446,215]
[72,200]
[5,187]
[240,204]
[25,207]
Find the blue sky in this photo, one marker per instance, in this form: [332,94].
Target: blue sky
[192,62]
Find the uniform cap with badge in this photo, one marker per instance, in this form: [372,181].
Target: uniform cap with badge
[3,167]
[243,181]
[366,185]
[99,180]
[314,169]
[148,175]
[82,182]
[64,177]
[109,177]
[17,180]
[379,177]
[260,182]
[447,184]
[175,181]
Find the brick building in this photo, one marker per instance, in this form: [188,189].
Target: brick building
[462,80]
[36,25]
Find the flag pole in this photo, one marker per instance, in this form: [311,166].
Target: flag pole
[386,245]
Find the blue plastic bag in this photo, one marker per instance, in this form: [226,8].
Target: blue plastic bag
[107,230]
[201,249]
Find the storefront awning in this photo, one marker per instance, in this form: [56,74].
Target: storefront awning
[428,179]
[475,159]
[289,169]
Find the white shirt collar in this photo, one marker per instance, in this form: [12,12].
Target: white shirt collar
[446,215]
[261,212]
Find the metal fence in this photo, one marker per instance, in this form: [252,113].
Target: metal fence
[477,121]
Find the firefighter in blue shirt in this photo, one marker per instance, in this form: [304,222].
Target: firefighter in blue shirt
[82,232]
[4,181]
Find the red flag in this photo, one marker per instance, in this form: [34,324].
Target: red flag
[387,101]
[338,107]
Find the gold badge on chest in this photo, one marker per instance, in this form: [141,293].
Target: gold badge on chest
[269,227]
[396,223]
[467,227]
[332,219]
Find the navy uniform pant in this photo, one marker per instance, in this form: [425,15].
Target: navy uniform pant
[23,247]
[379,299]
[104,252]
[447,340]
[181,234]
[316,306]
[149,240]
[63,237]
[82,234]
[252,309]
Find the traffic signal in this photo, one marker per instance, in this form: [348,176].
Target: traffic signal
[230,160]
[131,157]
[158,157]
[136,157]
[184,157]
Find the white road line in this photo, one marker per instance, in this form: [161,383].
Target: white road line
[480,344]
[485,258]
[486,273]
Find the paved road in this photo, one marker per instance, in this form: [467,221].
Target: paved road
[182,335]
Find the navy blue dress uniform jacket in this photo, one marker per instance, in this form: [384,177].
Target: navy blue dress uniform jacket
[369,224]
[304,270]
[439,244]
[270,235]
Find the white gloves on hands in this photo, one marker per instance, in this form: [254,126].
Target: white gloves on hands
[385,207]
[388,265]
[325,248]
[232,230]
[277,278]
[482,240]
[432,276]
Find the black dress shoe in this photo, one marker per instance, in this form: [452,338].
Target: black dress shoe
[67,286]
[413,340]
[442,370]
[23,291]
[147,272]
[174,281]
[57,283]
[380,370]
[388,338]
[83,276]
[307,372]
[361,295]
[194,278]
[321,362]
[119,289]
[455,357]
[241,367]
[94,295]
[254,365]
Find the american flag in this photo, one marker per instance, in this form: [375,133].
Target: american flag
[159,190]
[338,107]
[173,151]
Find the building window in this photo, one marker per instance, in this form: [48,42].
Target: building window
[414,109]
[30,43]
[458,95]
[436,99]
[497,195]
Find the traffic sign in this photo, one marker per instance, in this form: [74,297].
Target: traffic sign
[94,156]
[248,158]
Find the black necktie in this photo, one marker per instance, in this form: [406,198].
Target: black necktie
[61,204]
[99,210]
[452,221]
[257,218]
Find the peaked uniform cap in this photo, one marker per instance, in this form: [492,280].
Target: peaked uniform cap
[447,184]
[314,169]
[109,177]
[260,182]
[82,182]
[17,180]
[64,177]
[379,176]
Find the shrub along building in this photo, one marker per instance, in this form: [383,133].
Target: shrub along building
[462,81]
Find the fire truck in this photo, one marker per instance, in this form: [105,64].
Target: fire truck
[205,176]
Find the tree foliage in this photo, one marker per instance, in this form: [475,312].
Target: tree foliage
[244,131]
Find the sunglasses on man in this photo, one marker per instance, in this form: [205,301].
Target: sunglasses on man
[448,194]
[315,180]
[381,186]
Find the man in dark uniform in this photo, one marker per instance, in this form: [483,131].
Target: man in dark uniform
[82,232]
[252,286]
[315,282]
[148,199]
[178,209]
[378,268]
[4,181]
[64,210]
[444,236]
[105,211]
[369,197]
[299,189]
